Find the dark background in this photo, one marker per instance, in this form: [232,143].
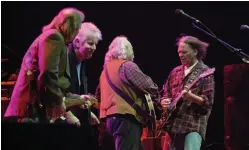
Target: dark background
[152,28]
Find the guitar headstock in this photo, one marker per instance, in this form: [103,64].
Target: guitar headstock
[207,72]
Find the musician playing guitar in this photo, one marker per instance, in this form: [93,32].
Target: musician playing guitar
[123,120]
[192,106]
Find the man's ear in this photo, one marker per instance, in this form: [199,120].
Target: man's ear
[77,43]
[195,52]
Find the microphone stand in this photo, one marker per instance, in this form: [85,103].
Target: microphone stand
[237,51]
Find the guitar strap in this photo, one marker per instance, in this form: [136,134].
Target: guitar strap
[123,95]
[194,74]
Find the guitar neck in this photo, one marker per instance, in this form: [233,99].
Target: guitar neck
[175,101]
[178,98]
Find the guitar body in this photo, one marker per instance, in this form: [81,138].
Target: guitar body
[151,123]
[150,130]
[167,121]
[150,105]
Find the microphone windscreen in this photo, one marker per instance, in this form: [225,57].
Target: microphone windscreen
[178,11]
[244,27]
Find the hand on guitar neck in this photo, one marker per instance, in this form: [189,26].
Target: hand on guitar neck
[189,96]
[185,94]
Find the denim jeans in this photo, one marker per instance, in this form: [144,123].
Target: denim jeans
[190,141]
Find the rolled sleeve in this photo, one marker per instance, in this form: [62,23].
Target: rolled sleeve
[207,92]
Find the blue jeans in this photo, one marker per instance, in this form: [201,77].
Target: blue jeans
[190,141]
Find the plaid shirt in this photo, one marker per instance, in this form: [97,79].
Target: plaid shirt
[190,117]
[132,75]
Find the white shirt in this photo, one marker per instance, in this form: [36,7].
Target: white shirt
[78,71]
[187,70]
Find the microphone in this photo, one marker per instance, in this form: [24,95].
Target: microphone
[179,11]
[244,27]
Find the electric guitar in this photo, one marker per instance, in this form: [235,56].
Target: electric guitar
[149,132]
[167,115]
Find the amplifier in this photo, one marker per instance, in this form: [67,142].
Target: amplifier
[6,91]
[7,88]
[4,104]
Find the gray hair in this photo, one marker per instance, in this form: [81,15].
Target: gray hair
[88,28]
[195,43]
[120,48]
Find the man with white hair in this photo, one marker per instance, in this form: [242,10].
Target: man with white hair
[81,49]
[122,120]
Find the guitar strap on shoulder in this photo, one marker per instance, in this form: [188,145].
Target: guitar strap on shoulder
[123,95]
[194,74]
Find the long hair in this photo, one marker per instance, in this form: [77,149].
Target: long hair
[120,48]
[62,16]
[195,43]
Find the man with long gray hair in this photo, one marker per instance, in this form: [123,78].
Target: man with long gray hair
[122,120]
